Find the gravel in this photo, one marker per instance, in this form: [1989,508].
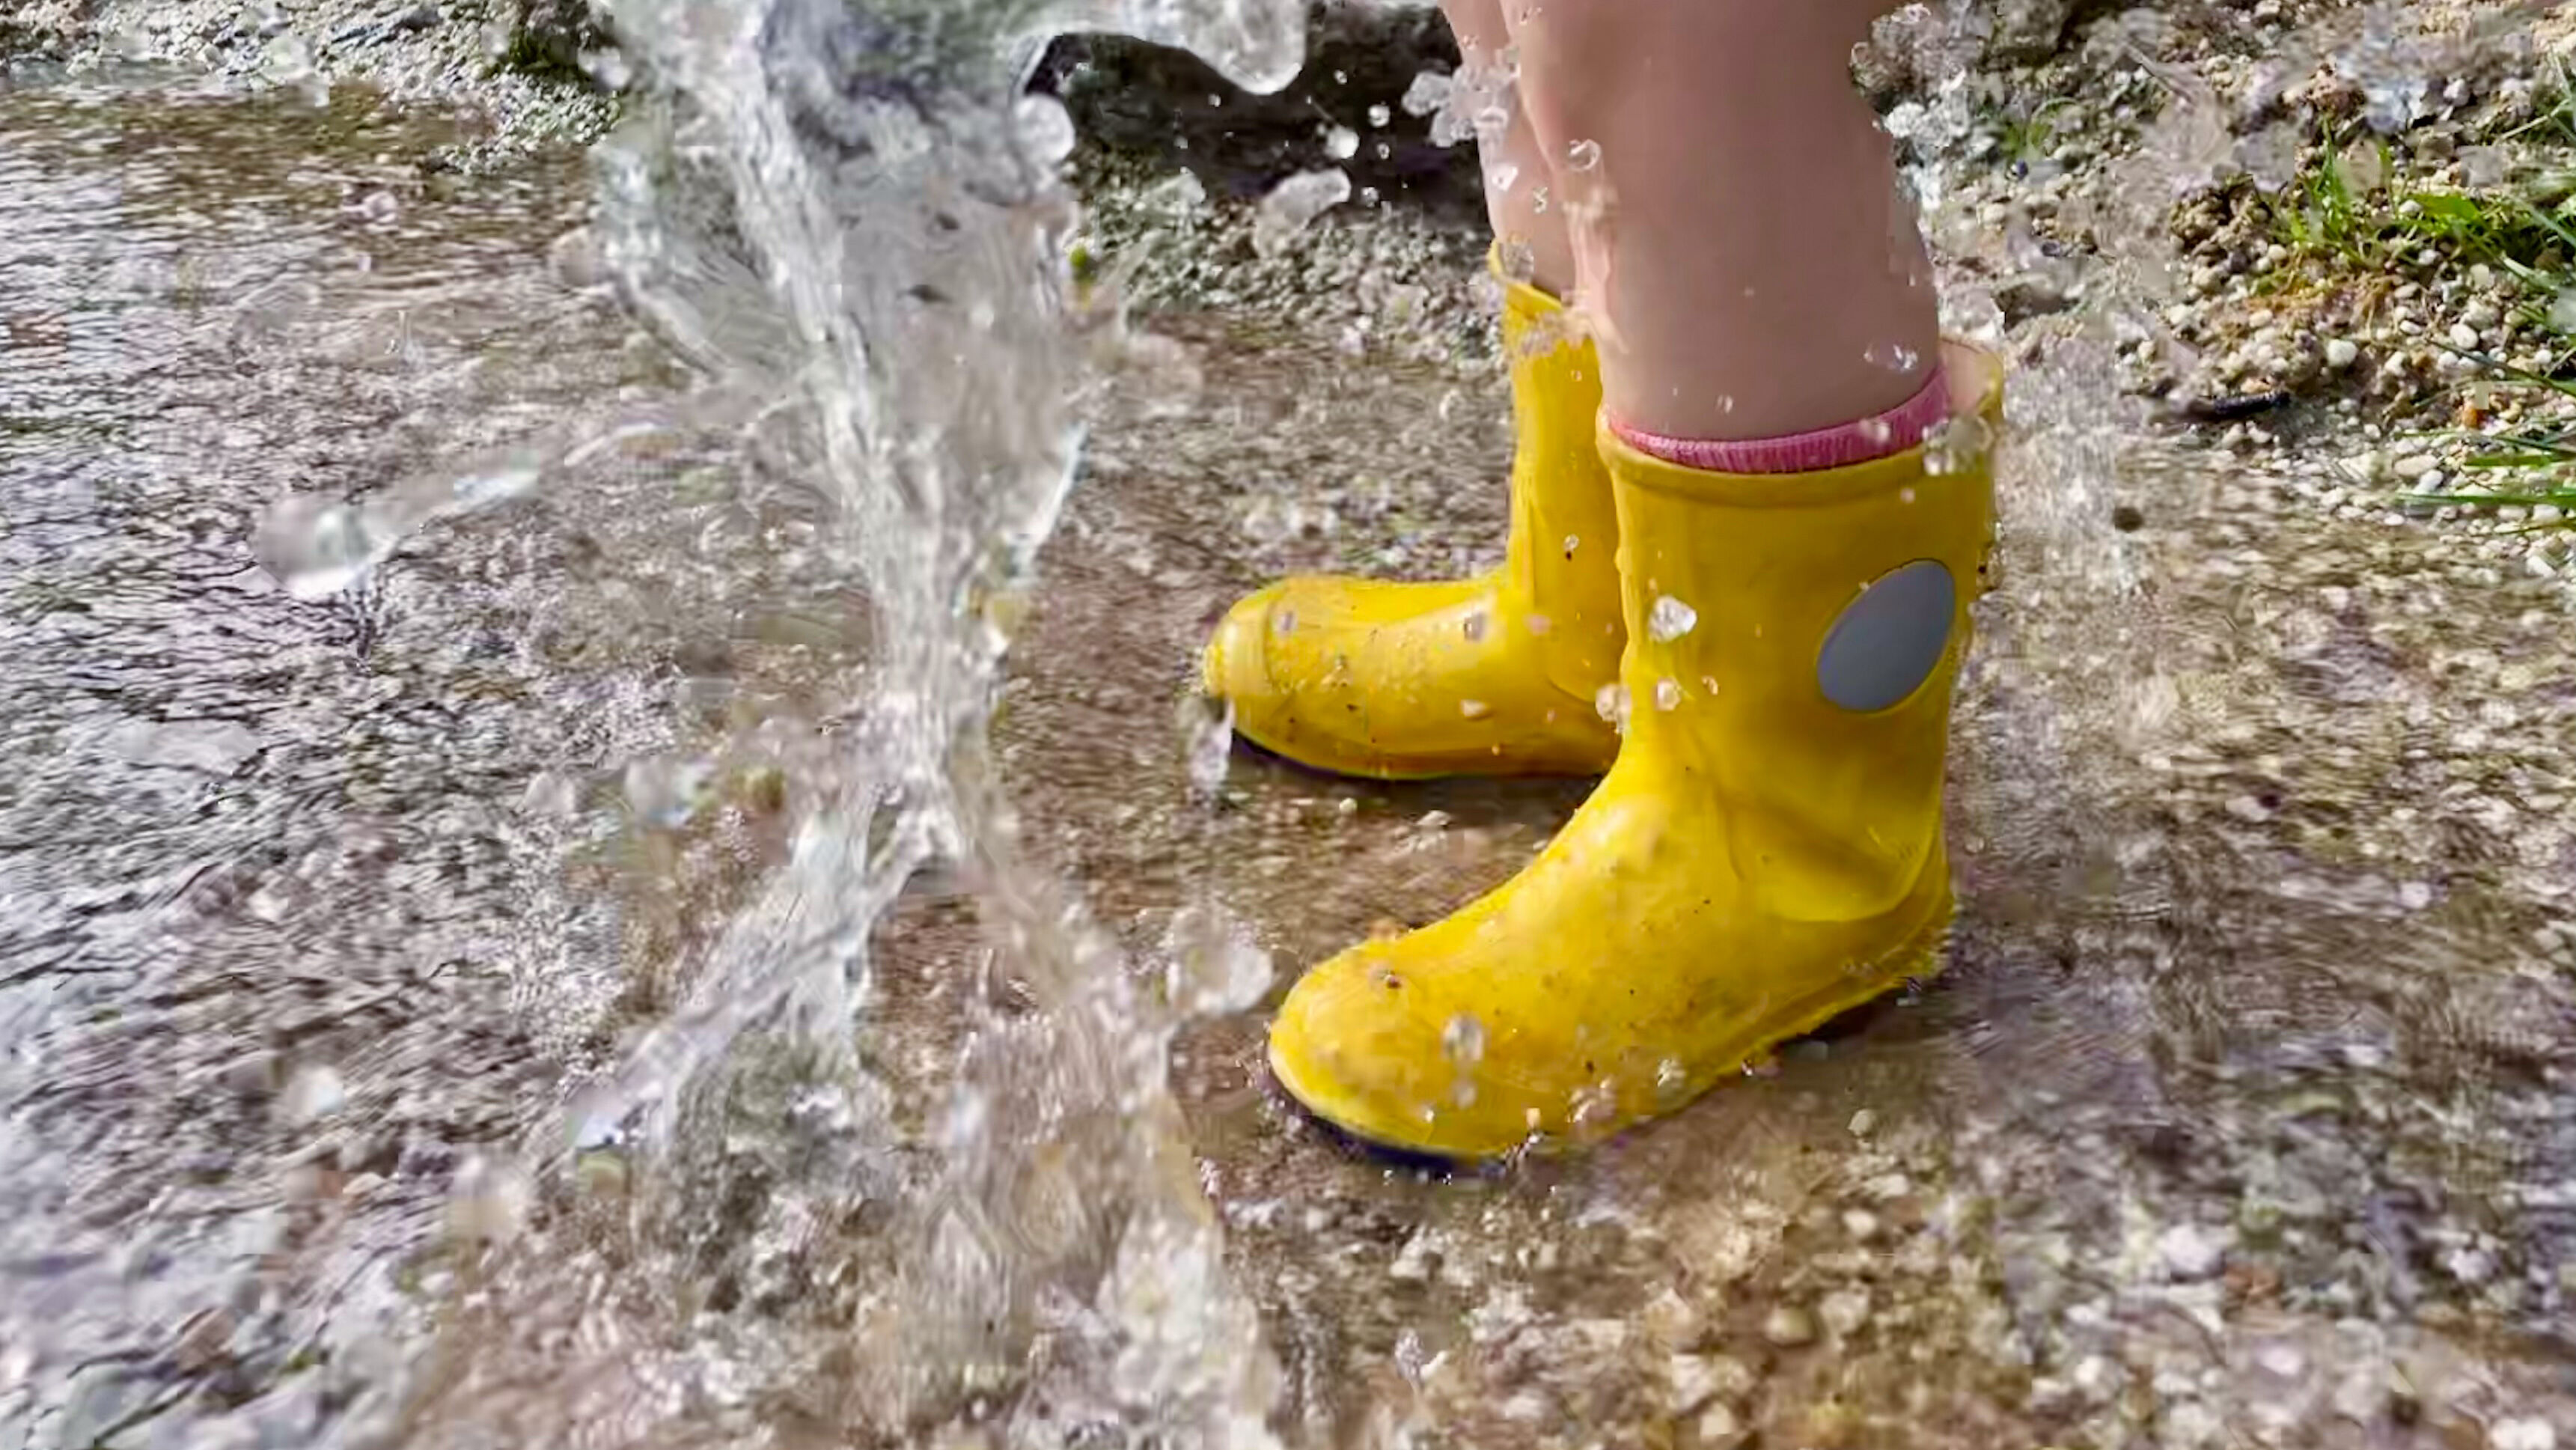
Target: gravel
[516,64]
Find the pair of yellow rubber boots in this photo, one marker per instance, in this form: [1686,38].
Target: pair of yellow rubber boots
[1763,665]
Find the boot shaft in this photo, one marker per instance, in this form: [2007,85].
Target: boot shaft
[1565,529]
[1792,644]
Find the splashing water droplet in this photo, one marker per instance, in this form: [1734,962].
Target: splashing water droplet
[1427,94]
[1379,115]
[1956,445]
[1501,176]
[1293,204]
[1519,259]
[1583,155]
[1215,965]
[1893,356]
[1044,127]
[609,68]
[1209,728]
[1341,143]
[1670,619]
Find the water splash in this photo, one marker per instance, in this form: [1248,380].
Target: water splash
[850,222]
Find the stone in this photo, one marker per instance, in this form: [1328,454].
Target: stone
[2341,353]
[2191,1251]
[1720,1429]
[1789,1326]
[550,37]
[2026,30]
[1699,1379]
[314,1092]
[1844,1311]
[1170,109]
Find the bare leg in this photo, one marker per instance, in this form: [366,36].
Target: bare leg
[1751,266]
[1517,210]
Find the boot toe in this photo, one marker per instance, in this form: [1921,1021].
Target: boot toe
[1236,664]
[1360,1047]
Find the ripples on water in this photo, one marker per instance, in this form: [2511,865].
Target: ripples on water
[424,1003]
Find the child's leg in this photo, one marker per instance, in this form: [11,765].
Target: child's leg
[1524,212]
[1753,271]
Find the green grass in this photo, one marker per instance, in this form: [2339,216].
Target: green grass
[2350,208]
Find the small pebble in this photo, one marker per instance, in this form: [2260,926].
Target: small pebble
[1789,1326]
[2464,337]
[1719,1429]
[1698,1379]
[2413,466]
[314,1092]
[2192,1252]
[1845,1311]
[2341,353]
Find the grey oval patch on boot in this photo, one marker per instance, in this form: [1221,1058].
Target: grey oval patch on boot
[1890,639]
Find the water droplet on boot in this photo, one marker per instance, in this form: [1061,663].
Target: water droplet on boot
[1583,155]
[1670,619]
[1474,628]
[1612,702]
[1474,709]
[1463,1040]
[1668,695]
[1893,356]
[1572,543]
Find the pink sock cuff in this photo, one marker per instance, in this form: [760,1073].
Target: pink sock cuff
[1881,436]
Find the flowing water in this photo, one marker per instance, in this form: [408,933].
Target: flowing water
[536,912]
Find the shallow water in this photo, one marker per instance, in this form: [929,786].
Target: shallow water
[2240,1116]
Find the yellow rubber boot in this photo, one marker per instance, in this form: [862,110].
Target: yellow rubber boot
[1497,675]
[1766,854]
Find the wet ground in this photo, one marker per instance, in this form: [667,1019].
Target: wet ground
[2242,1115]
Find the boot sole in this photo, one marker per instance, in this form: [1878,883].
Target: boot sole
[1405,775]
